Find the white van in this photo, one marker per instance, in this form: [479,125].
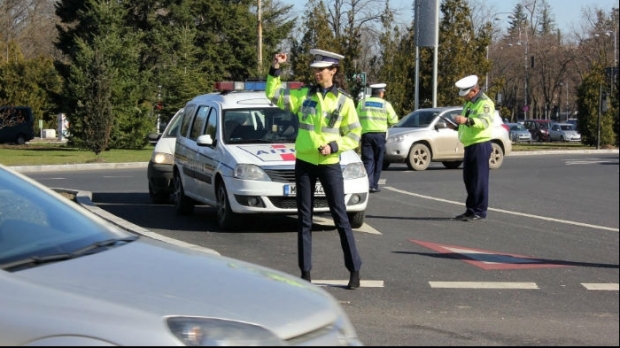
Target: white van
[235,151]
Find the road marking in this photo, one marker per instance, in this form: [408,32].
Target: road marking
[328,221]
[568,222]
[601,286]
[344,283]
[484,285]
[489,260]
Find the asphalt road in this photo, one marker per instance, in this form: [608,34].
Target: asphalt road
[542,269]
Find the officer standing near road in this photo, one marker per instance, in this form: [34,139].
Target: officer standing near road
[328,126]
[376,115]
[474,127]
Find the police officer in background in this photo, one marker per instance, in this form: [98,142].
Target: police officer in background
[328,125]
[376,116]
[474,127]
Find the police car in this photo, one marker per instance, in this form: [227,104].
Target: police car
[235,151]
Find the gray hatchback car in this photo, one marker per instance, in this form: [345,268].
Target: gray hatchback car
[423,137]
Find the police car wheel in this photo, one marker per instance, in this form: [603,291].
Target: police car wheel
[161,197]
[183,205]
[356,219]
[226,218]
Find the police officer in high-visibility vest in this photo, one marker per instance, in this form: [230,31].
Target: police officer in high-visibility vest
[376,115]
[474,127]
[328,125]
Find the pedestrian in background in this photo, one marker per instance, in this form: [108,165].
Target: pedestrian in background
[328,126]
[376,115]
[474,126]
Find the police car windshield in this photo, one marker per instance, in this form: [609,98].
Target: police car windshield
[259,125]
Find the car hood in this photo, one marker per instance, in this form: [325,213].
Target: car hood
[276,154]
[165,145]
[144,277]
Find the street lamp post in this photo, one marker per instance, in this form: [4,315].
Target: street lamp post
[525,107]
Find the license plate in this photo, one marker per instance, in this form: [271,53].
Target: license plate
[291,190]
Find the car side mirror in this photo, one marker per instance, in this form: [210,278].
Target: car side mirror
[204,140]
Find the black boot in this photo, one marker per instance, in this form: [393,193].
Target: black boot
[306,276]
[354,280]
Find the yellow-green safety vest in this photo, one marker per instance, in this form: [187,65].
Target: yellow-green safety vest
[322,119]
[480,109]
[376,115]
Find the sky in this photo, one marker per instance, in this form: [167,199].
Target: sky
[567,13]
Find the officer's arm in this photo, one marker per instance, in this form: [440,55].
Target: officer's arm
[350,128]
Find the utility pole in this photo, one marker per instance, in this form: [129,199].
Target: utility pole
[260,40]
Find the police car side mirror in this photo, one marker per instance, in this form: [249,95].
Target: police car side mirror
[204,140]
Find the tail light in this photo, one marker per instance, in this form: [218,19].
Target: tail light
[506,127]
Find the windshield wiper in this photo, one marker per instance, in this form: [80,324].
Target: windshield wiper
[89,249]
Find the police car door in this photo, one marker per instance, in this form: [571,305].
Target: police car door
[210,156]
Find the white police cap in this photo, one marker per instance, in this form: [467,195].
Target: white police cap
[466,84]
[324,59]
[378,86]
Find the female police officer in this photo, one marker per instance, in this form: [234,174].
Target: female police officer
[328,125]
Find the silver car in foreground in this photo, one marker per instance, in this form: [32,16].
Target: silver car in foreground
[422,137]
[71,278]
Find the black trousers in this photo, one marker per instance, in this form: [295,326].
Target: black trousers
[476,177]
[373,149]
[330,176]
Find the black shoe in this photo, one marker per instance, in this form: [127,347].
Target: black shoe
[306,276]
[354,280]
[473,217]
[373,190]
[463,217]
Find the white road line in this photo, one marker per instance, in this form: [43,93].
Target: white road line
[328,221]
[483,285]
[601,286]
[363,283]
[568,222]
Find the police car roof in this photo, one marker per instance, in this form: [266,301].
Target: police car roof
[233,100]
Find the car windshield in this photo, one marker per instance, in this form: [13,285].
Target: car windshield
[417,119]
[567,127]
[259,125]
[518,127]
[35,225]
[173,129]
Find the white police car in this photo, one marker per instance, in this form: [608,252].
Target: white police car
[235,151]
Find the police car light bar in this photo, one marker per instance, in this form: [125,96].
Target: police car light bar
[227,86]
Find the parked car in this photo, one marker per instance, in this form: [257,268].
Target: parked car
[564,132]
[518,133]
[71,278]
[422,137]
[16,124]
[159,170]
[538,128]
[235,151]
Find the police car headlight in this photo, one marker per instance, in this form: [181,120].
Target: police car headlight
[250,172]
[162,158]
[354,171]
[396,139]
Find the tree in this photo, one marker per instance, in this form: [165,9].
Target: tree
[104,96]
